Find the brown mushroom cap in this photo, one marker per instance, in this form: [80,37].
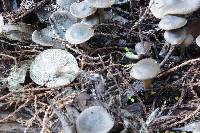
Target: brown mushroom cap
[82,9]
[145,69]
[79,33]
[170,22]
[175,37]
[160,8]
[101,3]
[94,119]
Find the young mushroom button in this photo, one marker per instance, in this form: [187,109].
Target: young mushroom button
[145,70]
[94,119]
[82,9]
[54,68]
[79,33]
[170,22]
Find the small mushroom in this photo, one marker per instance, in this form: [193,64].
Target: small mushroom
[170,22]
[145,70]
[91,20]
[101,3]
[54,68]
[61,21]
[79,33]
[143,48]
[198,40]
[175,37]
[160,8]
[82,9]
[94,119]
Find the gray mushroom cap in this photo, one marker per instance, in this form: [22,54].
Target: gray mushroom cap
[145,69]
[82,9]
[170,22]
[198,40]
[160,8]
[61,21]
[54,68]
[79,33]
[175,37]
[94,119]
[142,48]
[101,3]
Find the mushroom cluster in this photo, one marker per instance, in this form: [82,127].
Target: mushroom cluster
[172,14]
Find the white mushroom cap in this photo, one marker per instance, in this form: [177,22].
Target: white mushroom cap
[101,3]
[53,68]
[61,21]
[142,48]
[91,20]
[170,22]
[82,9]
[175,37]
[145,69]
[1,23]
[160,8]
[198,40]
[188,40]
[94,119]
[79,33]
[64,4]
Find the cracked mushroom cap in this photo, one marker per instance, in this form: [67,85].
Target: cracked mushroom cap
[175,37]
[101,3]
[145,69]
[170,22]
[198,40]
[79,33]
[160,8]
[54,68]
[142,48]
[82,9]
[94,119]
[188,40]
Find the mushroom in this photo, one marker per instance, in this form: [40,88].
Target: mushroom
[82,9]
[94,119]
[198,40]
[79,33]
[145,70]
[101,3]
[61,21]
[91,20]
[175,37]
[1,23]
[170,22]
[64,4]
[143,48]
[54,68]
[160,8]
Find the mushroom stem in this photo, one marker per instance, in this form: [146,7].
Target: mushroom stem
[101,14]
[147,84]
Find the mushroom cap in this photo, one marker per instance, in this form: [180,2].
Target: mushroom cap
[82,9]
[101,3]
[94,119]
[198,40]
[79,33]
[170,22]
[1,23]
[145,69]
[64,4]
[53,68]
[61,21]
[142,48]
[160,8]
[188,40]
[175,37]
[91,20]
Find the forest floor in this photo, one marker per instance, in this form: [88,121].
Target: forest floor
[105,79]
